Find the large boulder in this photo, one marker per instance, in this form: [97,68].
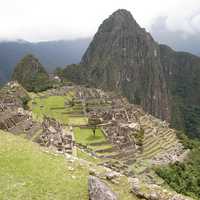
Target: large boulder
[99,190]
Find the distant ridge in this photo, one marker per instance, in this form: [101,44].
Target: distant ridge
[52,54]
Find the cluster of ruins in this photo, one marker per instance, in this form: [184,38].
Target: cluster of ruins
[53,135]
[13,117]
[123,124]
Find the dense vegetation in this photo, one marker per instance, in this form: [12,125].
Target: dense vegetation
[72,72]
[184,177]
[182,74]
[31,74]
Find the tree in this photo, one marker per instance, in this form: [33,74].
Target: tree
[93,122]
[72,102]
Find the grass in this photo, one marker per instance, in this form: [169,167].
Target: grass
[28,173]
[139,167]
[85,136]
[77,120]
[123,189]
[95,143]
[54,106]
[100,147]
[85,156]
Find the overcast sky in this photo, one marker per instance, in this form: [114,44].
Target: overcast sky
[39,20]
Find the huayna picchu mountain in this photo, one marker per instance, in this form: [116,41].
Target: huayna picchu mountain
[31,74]
[125,58]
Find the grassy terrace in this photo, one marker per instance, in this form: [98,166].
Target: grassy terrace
[85,136]
[85,156]
[97,143]
[54,106]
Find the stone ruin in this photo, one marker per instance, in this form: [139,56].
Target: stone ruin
[2,107]
[60,91]
[18,121]
[91,93]
[11,121]
[13,117]
[9,102]
[11,96]
[118,125]
[128,129]
[98,190]
[55,136]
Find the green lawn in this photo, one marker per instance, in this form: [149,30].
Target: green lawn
[54,106]
[28,173]
[85,136]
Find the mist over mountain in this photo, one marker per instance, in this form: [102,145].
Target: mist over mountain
[178,40]
[59,53]
[52,54]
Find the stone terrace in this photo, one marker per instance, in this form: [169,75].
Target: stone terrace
[134,134]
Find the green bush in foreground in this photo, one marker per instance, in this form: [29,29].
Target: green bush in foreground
[184,177]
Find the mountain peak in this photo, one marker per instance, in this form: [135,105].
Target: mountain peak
[123,13]
[119,20]
[121,57]
[31,74]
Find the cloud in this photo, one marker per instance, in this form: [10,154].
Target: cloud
[36,20]
[184,17]
[180,39]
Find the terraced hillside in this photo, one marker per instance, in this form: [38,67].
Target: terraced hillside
[130,134]
[63,108]
[102,129]
[158,140]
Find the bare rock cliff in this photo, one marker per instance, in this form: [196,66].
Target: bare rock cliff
[124,57]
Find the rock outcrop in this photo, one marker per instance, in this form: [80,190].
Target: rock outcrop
[99,190]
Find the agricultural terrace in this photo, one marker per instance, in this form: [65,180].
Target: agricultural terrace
[62,108]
